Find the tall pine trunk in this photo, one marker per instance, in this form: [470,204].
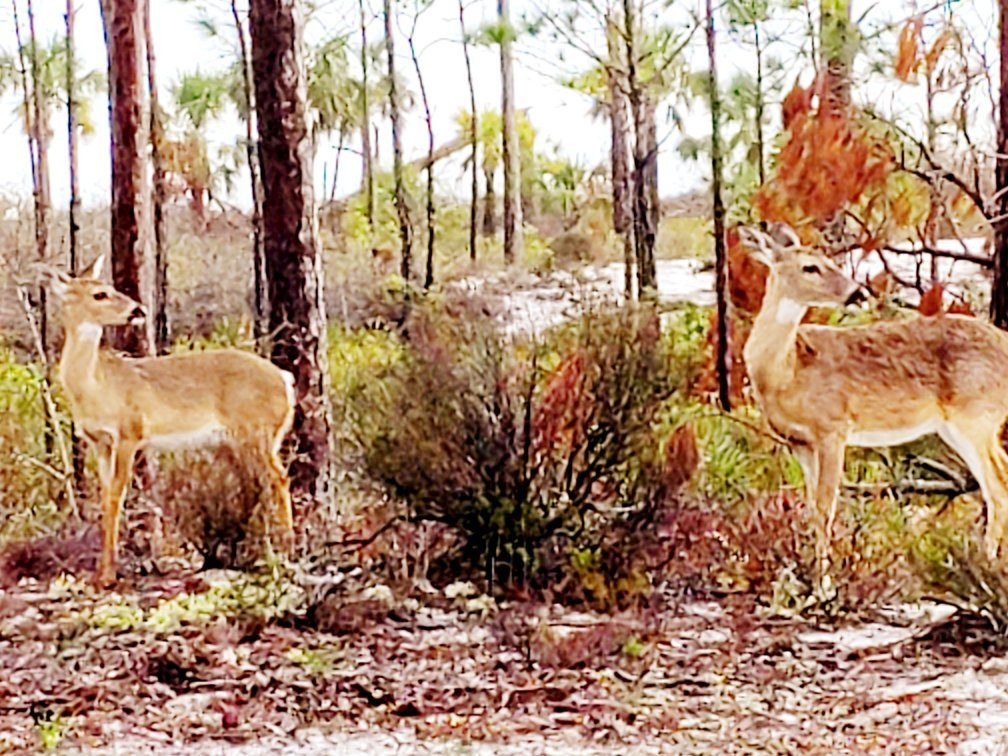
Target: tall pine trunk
[402,207]
[131,236]
[293,259]
[162,337]
[999,287]
[513,238]
[473,136]
[644,232]
[619,155]
[723,357]
[252,158]
[429,205]
[71,78]
[367,157]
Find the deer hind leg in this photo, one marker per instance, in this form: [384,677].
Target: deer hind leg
[279,484]
[980,448]
[115,468]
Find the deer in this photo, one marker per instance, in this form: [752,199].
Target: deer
[123,405]
[824,388]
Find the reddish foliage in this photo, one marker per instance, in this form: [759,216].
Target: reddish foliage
[681,457]
[706,381]
[882,283]
[829,161]
[908,49]
[746,276]
[559,418]
[931,301]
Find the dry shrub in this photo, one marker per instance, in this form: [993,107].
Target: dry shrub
[215,499]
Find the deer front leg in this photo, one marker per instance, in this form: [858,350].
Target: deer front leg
[116,470]
[830,462]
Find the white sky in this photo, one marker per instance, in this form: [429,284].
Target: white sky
[560,116]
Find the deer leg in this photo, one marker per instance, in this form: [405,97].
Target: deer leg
[980,449]
[118,469]
[279,491]
[829,462]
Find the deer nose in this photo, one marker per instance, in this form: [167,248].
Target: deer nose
[137,313]
[860,294]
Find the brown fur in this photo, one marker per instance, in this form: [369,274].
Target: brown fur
[123,405]
[825,388]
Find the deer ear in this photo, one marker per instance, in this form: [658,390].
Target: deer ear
[94,270]
[56,280]
[761,246]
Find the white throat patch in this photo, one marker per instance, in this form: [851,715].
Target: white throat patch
[89,332]
[789,311]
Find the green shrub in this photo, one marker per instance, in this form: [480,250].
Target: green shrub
[534,454]
[30,491]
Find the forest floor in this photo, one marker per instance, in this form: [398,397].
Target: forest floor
[190,663]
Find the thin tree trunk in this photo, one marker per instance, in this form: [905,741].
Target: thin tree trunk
[513,238]
[489,203]
[131,235]
[429,267]
[77,451]
[473,132]
[837,45]
[760,146]
[71,81]
[619,157]
[402,209]
[999,287]
[723,358]
[252,158]
[644,234]
[39,121]
[162,336]
[293,259]
[651,183]
[366,155]
[336,164]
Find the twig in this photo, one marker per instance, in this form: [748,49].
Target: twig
[50,405]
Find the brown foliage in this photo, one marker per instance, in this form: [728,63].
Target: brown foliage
[908,60]
[828,162]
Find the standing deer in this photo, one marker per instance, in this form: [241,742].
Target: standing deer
[825,388]
[122,405]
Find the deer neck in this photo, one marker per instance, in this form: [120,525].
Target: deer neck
[78,367]
[770,352]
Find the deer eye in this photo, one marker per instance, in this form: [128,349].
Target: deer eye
[811,269]
[100,296]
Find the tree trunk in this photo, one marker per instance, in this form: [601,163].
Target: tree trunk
[513,239]
[131,237]
[473,135]
[723,358]
[619,156]
[252,158]
[429,207]
[367,174]
[651,181]
[402,208]
[39,127]
[336,164]
[71,76]
[644,233]
[293,260]
[489,203]
[162,337]
[837,43]
[760,146]
[999,287]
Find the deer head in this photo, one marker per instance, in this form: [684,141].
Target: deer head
[799,274]
[87,300]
